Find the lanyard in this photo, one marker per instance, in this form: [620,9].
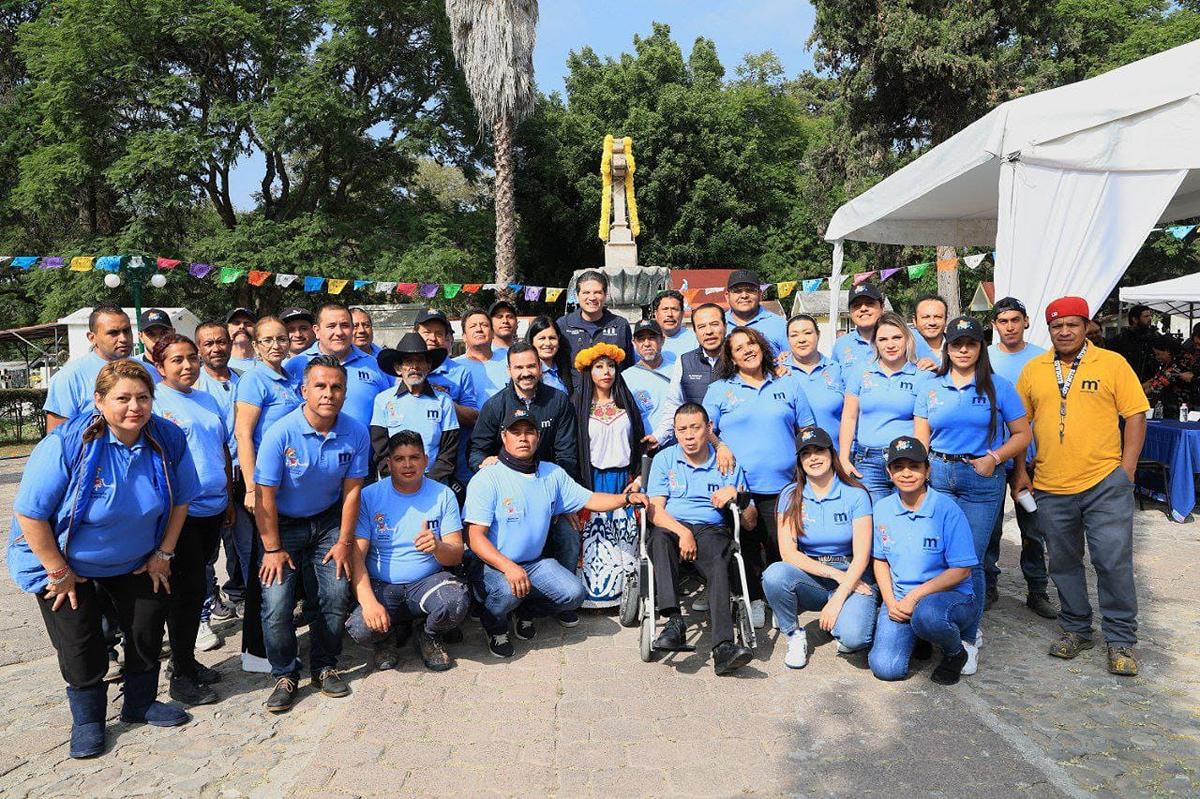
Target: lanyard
[1064,386]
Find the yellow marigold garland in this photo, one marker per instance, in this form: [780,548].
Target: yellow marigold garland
[634,226]
[588,356]
[606,193]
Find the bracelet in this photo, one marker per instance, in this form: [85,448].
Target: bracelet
[58,574]
[59,580]
[163,555]
[995,457]
[272,551]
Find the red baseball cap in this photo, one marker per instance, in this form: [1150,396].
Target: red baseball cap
[1067,306]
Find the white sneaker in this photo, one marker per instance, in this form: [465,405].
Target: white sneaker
[254,664]
[797,650]
[979,638]
[700,603]
[206,639]
[972,664]
[758,614]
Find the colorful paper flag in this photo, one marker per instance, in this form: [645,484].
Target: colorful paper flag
[359,285]
[26,262]
[917,271]
[336,285]
[533,293]
[786,288]
[82,263]
[714,290]
[552,294]
[946,264]
[229,274]
[385,285]
[489,286]
[5,260]
[451,290]
[200,270]
[283,281]
[109,263]
[406,288]
[812,284]
[886,273]
[471,288]
[135,262]
[313,283]
[515,287]
[256,277]
[52,262]
[862,277]
[167,263]
[973,261]
[429,290]
[1180,231]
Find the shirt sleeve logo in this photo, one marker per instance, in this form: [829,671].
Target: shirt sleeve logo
[292,459]
[884,538]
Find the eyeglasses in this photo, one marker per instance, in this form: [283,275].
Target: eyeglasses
[280,340]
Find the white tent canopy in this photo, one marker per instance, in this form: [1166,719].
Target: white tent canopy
[1064,184]
[1180,295]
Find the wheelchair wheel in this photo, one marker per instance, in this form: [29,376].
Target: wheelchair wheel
[631,601]
[647,638]
[742,625]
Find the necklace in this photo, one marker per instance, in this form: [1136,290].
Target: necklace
[1064,386]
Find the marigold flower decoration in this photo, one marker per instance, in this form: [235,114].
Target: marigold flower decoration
[586,357]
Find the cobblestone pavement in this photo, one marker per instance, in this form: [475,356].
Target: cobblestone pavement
[577,713]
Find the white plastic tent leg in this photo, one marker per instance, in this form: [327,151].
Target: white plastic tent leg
[1069,232]
[829,334]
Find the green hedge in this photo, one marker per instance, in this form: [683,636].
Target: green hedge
[21,416]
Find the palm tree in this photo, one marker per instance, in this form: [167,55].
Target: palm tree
[493,44]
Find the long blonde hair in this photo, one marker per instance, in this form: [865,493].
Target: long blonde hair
[893,319]
[111,374]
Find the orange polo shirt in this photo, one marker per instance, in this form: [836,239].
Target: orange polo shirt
[1105,389]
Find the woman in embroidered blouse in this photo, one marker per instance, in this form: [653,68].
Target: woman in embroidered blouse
[609,439]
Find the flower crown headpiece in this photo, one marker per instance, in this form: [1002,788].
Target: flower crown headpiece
[586,357]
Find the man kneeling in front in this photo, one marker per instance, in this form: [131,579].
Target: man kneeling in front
[508,511]
[409,533]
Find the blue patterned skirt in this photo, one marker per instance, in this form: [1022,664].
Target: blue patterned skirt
[610,544]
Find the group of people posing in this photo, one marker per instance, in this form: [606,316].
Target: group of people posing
[390,493]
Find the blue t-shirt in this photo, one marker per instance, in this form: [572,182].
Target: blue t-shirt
[771,325]
[391,520]
[885,403]
[243,364]
[199,417]
[308,467]
[825,390]
[923,349]
[853,352]
[488,377]
[517,508]
[759,425]
[649,388]
[689,488]
[224,392]
[959,417]
[119,529]
[454,380]
[1010,364]
[828,521]
[275,395]
[73,388]
[430,413]
[683,341]
[920,544]
[364,380]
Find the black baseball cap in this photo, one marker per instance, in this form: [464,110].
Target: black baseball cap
[865,290]
[154,317]
[291,314]
[498,304]
[647,326]
[906,448]
[1009,304]
[740,276]
[518,415]
[432,315]
[964,327]
[813,437]
[241,312]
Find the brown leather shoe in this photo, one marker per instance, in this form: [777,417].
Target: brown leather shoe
[1069,645]
[432,652]
[1122,661]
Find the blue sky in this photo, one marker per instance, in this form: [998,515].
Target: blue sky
[608,26]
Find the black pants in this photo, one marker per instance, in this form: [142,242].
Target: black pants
[197,544]
[714,553]
[78,638]
[760,546]
[252,630]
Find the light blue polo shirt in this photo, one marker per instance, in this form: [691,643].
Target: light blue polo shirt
[923,350]
[224,392]
[429,413]
[243,364]
[517,508]
[373,350]
[958,416]
[275,395]
[689,488]
[550,378]
[72,388]
[683,341]
[197,414]
[853,353]
[825,390]
[1010,364]
[119,528]
[771,325]
[488,377]
[919,545]
[308,467]
[885,403]
[759,425]
[145,363]
[455,381]
[390,520]
[828,521]
[649,388]
[364,380]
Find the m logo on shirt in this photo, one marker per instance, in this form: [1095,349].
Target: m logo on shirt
[364,375]
[435,525]
[841,518]
[779,395]
[978,400]
[433,415]
[546,423]
[344,458]
[1090,386]
[714,488]
[929,544]
[905,385]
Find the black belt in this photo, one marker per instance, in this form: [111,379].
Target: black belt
[830,558]
[965,458]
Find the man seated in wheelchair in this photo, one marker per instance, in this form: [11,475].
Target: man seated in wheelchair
[689,522]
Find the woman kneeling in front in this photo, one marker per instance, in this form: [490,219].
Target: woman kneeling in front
[923,558]
[825,546]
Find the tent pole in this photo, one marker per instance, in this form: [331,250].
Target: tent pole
[835,291]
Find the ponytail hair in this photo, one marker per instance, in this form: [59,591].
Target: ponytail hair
[795,509]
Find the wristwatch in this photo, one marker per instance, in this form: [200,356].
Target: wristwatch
[163,555]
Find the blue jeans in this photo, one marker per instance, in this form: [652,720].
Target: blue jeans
[873,468]
[440,599]
[790,590]
[980,499]
[553,590]
[940,619]
[307,541]
[564,543]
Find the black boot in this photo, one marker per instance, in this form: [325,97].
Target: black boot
[728,657]
[141,707]
[949,670]
[87,714]
[673,638]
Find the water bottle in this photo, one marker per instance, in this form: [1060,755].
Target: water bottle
[1183,412]
[1158,411]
